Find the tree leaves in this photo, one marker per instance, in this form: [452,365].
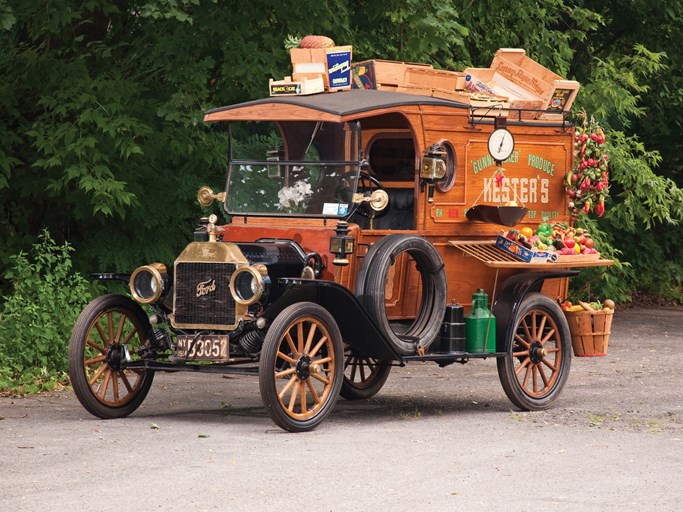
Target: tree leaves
[102,109]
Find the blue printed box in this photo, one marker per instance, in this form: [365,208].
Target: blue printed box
[521,252]
[339,67]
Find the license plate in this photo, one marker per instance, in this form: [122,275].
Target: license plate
[203,348]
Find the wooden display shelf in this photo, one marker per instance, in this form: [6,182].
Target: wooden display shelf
[491,256]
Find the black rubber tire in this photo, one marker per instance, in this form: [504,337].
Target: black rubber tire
[371,284]
[526,363]
[107,324]
[363,376]
[286,366]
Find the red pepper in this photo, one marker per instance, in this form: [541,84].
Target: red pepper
[600,207]
[587,206]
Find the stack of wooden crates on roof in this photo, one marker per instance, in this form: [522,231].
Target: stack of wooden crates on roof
[514,83]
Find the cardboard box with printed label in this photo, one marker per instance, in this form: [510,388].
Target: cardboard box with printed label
[301,87]
[333,65]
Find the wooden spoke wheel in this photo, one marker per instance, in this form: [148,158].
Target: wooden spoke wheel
[538,355]
[363,376]
[111,331]
[301,368]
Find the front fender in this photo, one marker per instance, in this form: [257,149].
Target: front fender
[356,326]
[511,295]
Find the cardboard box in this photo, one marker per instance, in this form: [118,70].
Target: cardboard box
[521,252]
[308,60]
[368,74]
[557,94]
[333,64]
[338,67]
[287,87]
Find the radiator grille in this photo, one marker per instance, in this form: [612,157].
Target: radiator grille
[202,294]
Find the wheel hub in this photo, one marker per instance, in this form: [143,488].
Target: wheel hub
[115,357]
[537,352]
[304,368]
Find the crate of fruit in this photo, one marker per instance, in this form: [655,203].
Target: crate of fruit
[590,329]
[529,255]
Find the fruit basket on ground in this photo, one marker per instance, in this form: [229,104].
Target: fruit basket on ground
[590,325]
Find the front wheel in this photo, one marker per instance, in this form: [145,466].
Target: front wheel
[301,369]
[110,331]
[538,354]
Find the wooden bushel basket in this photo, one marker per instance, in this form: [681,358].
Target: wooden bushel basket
[590,331]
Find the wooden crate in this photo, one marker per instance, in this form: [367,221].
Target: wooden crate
[557,94]
[486,104]
[287,87]
[368,74]
[490,81]
[429,78]
[590,331]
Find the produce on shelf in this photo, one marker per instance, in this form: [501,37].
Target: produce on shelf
[554,237]
[564,239]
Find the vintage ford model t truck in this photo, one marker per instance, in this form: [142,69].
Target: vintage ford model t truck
[354,239]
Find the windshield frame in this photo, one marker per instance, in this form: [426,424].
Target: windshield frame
[353,165]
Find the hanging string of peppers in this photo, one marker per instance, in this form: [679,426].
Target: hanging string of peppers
[587,184]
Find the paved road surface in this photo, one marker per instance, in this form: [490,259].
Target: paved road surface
[434,439]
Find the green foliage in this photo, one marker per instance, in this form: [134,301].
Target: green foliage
[102,106]
[37,317]
[410,30]
[644,199]
[629,77]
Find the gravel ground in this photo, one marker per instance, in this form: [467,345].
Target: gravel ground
[432,439]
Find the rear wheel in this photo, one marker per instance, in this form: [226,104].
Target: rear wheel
[538,359]
[363,376]
[301,368]
[110,331]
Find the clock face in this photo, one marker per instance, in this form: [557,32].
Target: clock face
[501,144]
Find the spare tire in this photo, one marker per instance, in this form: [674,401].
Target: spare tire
[371,286]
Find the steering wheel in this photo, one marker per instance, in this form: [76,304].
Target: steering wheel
[366,185]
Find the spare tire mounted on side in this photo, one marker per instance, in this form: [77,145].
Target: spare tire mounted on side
[371,286]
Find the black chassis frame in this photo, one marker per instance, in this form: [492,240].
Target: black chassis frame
[358,328]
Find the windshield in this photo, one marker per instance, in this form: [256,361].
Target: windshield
[302,169]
